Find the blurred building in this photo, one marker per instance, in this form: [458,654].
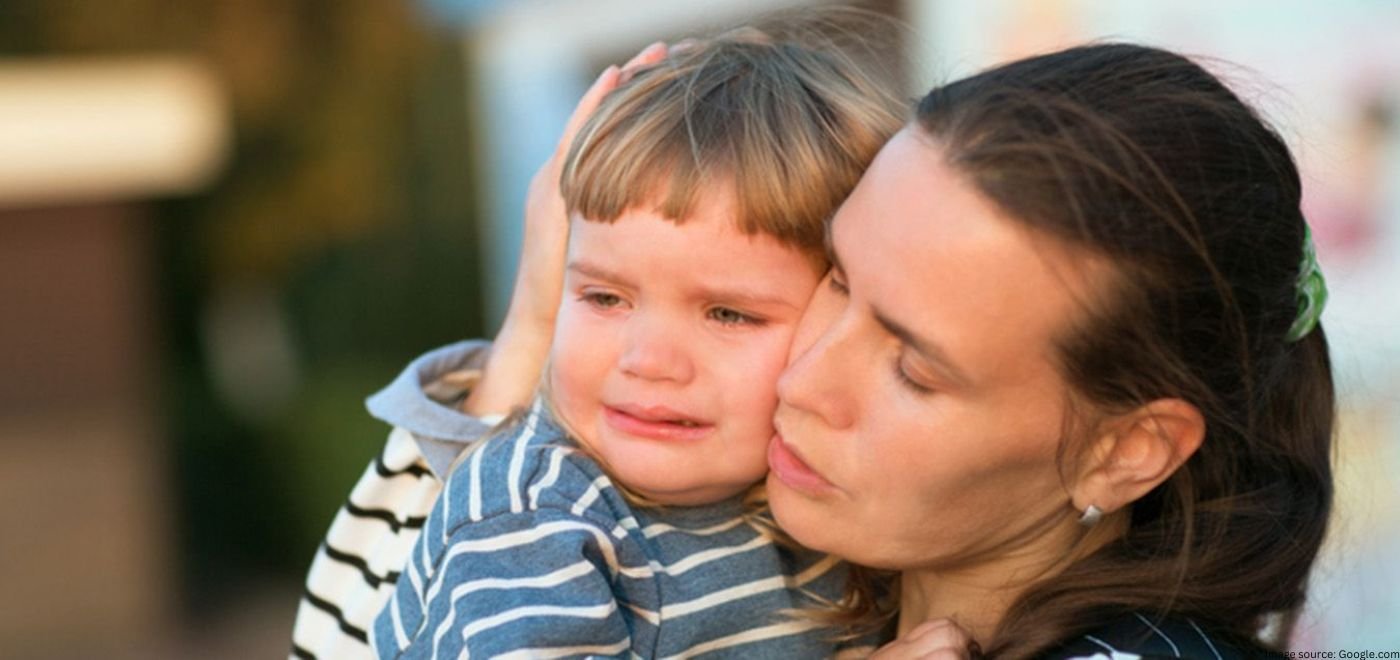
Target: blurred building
[86,144]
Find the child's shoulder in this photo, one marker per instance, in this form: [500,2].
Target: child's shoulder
[531,466]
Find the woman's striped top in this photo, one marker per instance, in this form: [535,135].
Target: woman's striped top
[356,567]
[359,562]
[531,551]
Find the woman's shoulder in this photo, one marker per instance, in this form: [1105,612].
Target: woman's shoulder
[1137,636]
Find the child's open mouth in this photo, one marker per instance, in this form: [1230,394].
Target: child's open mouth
[655,422]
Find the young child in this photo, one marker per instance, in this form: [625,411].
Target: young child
[357,565]
[617,517]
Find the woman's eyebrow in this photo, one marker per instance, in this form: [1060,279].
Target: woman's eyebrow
[931,351]
[937,357]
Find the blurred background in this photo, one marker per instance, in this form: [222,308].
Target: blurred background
[223,223]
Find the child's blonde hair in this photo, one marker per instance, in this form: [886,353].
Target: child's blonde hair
[785,118]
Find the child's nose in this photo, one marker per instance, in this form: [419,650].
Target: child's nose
[656,351]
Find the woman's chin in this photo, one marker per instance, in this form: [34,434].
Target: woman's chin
[800,516]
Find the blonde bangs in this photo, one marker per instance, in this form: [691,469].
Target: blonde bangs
[787,128]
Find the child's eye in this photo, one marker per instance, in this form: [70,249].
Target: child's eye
[601,299]
[729,316]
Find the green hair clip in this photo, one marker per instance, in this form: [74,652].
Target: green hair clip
[1312,291]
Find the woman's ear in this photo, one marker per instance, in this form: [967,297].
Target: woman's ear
[1137,451]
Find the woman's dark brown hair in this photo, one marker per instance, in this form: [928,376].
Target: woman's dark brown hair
[1142,156]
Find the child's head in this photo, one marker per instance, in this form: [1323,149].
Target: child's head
[698,194]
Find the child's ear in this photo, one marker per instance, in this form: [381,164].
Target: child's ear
[1135,452]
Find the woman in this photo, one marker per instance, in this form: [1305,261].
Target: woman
[1067,376]
[1065,387]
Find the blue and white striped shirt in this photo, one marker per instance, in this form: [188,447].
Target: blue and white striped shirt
[531,551]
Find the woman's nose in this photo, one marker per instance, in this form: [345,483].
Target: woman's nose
[815,381]
[656,351]
[822,311]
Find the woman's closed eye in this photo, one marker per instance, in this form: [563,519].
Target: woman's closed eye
[902,372]
[837,284]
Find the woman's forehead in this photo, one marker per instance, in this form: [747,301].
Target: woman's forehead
[920,245]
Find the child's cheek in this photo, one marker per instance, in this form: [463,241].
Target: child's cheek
[757,376]
[574,368]
[771,358]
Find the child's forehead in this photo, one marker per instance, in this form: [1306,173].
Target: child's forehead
[715,214]
[709,219]
[705,230]
[707,246]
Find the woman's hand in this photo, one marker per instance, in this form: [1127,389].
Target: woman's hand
[513,371]
[539,280]
[940,639]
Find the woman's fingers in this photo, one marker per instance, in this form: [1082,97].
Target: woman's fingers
[681,46]
[653,53]
[940,639]
[546,221]
[606,82]
[647,57]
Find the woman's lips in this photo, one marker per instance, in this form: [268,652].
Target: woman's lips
[790,469]
[655,423]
